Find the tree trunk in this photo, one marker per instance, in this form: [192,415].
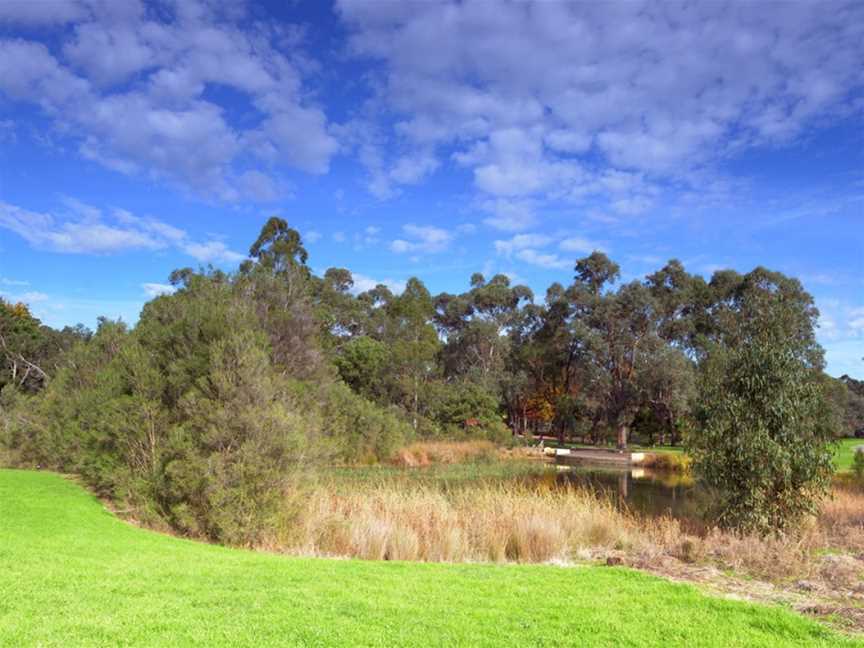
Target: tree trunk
[622,436]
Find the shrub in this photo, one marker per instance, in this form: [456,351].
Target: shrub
[671,461]
[467,410]
[358,430]
[858,464]
[764,444]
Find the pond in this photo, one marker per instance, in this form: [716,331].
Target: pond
[641,490]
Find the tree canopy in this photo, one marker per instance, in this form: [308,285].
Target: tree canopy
[225,384]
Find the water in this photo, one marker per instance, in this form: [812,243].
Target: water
[644,491]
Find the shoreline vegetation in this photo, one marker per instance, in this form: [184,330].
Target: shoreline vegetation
[122,585]
[406,511]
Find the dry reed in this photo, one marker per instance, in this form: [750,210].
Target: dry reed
[518,523]
[425,453]
[487,523]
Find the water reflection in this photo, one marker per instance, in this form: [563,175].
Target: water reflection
[641,490]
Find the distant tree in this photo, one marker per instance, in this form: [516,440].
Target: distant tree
[414,346]
[362,363]
[29,350]
[617,334]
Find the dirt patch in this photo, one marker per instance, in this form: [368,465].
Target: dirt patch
[836,602]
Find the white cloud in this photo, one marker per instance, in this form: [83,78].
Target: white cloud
[85,235]
[509,215]
[312,236]
[841,333]
[362,283]
[544,260]
[156,289]
[211,252]
[131,88]
[33,297]
[840,320]
[13,282]
[422,239]
[524,247]
[85,229]
[579,244]
[543,100]
[520,242]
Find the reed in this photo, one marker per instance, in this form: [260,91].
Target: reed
[426,453]
[510,522]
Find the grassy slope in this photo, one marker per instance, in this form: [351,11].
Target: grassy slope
[845,451]
[72,574]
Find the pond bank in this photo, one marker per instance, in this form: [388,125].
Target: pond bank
[522,512]
[120,585]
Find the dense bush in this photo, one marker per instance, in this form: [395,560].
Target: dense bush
[763,445]
[192,418]
[468,410]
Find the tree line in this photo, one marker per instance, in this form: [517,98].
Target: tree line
[196,416]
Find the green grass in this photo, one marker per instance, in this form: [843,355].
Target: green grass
[844,452]
[71,574]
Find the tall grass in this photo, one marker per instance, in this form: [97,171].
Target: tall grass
[511,522]
[426,453]
[488,523]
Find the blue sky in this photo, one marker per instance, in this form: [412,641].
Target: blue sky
[430,139]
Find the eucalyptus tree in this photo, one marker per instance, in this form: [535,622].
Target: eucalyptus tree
[616,334]
[413,344]
[765,422]
[279,282]
[765,428]
[475,325]
[29,350]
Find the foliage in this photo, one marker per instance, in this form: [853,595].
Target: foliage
[29,351]
[763,442]
[858,464]
[469,410]
[197,415]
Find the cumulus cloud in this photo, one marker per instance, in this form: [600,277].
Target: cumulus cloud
[132,86]
[80,228]
[579,244]
[526,247]
[362,283]
[425,239]
[156,289]
[544,260]
[520,242]
[544,101]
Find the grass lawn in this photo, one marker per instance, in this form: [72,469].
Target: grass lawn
[844,452]
[72,574]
